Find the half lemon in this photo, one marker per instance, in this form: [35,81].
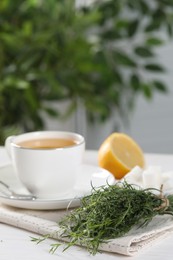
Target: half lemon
[119,153]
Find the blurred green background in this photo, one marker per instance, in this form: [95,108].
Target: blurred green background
[102,56]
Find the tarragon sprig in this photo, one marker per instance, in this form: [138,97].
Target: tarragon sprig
[111,212]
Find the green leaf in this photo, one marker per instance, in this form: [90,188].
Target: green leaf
[51,112]
[160,86]
[133,27]
[118,77]
[159,14]
[147,90]
[120,24]
[143,51]
[154,41]
[154,67]
[153,26]
[167,2]
[111,34]
[27,28]
[124,59]
[144,7]
[135,82]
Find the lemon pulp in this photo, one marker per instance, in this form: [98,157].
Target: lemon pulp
[119,153]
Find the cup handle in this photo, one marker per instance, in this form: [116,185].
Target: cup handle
[8,144]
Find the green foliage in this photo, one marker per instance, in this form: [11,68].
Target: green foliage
[99,54]
[108,213]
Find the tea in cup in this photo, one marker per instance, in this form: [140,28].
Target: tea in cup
[46,162]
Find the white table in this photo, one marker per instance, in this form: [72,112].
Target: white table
[15,244]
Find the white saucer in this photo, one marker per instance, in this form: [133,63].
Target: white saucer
[87,175]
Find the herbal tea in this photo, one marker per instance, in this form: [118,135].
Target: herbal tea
[47,162]
[47,143]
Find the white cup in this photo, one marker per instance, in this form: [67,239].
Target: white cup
[47,172]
